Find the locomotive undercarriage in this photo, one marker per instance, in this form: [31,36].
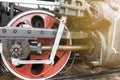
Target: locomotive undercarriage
[36,41]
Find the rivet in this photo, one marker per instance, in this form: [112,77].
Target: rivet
[29,31]
[42,32]
[54,33]
[4,30]
[14,31]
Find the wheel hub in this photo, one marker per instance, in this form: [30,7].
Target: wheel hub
[16,48]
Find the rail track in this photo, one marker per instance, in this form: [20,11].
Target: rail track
[103,75]
[107,73]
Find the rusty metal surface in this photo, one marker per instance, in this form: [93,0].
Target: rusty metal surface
[84,47]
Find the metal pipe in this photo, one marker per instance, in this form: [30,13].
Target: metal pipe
[67,48]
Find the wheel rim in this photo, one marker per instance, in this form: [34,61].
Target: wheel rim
[30,71]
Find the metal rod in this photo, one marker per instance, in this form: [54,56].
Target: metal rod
[48,3]
[58,37]
[8,31]
[67,48]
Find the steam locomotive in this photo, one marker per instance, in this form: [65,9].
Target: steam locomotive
[39,37]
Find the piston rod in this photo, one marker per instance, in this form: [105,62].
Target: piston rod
[67,48]
[63,47]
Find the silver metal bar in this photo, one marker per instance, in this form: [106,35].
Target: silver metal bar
[1,48]
[27,33]
[17,62]
[48,3]
[57,38]
[38,33]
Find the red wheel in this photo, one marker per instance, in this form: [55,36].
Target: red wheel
[38,19]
